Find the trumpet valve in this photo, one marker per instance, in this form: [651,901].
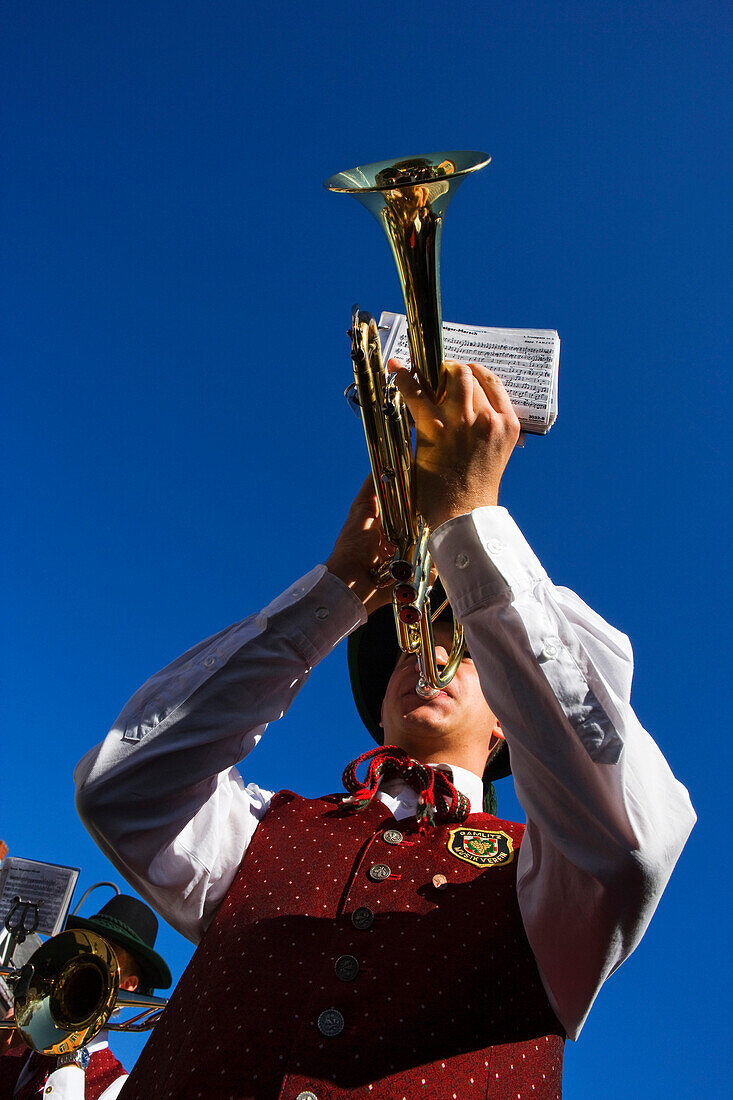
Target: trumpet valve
[401,570]
[409,615]
[404,594]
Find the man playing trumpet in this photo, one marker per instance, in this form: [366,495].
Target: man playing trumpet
[396,938]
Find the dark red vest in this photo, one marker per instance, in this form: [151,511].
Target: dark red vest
[319,976]
[102,1070]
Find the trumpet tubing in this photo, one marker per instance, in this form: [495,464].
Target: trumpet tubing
[408,198]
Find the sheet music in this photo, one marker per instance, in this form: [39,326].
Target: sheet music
[32,881]
[526,360]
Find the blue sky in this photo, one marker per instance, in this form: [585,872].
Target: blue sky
[176,287]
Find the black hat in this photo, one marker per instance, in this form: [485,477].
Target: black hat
[372,655]
[131,924]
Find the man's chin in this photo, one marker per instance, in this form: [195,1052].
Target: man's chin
[425,723]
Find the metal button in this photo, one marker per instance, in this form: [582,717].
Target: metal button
[462,560]
[378,872]
[306,1096]
[362,918]
[393,836]
[331,1023]
[346,968]
[439,881]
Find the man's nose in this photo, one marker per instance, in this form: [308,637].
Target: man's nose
[441,657]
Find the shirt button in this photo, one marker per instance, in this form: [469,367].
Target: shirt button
[378,872]
[331,1023]
[495,546]
[308,1095]
[362,918]
[322,613]
[209,661]
[462,560]
[549,650]
[346,968]
[393,836]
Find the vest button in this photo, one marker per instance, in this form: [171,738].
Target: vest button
[331,1023]
[308,1095]
[393,836]
[346,968]
[362,918]
[378,872]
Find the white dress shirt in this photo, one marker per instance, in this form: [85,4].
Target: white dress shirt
[606,819]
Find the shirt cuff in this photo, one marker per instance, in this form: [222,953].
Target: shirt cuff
[483,557]
[321,610]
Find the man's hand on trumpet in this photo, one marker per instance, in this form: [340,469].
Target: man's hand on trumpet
[360,549]
[464,441]
[463,445]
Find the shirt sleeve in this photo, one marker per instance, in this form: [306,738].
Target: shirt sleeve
[606,819]
[161,795]
[66,1083]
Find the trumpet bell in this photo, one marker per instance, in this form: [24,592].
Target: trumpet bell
[385,175]
[66,992]
[409,197]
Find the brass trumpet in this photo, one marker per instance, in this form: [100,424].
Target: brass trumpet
[408,198]
[67,991]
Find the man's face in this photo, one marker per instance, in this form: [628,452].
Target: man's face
[457,722]
[129,970]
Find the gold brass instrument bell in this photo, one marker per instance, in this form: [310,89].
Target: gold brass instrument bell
[67,991]
[408,198]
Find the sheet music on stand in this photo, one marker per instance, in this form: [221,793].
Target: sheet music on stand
[51,884]
[526,359]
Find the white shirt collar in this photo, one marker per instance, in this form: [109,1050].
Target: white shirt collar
[401,800]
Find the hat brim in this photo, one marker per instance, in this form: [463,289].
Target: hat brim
[154,972]
[372,652]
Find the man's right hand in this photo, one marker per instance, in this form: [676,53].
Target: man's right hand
[360,549]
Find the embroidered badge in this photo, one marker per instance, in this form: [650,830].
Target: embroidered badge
[481,847]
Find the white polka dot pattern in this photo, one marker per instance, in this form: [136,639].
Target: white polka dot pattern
[446,1001]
